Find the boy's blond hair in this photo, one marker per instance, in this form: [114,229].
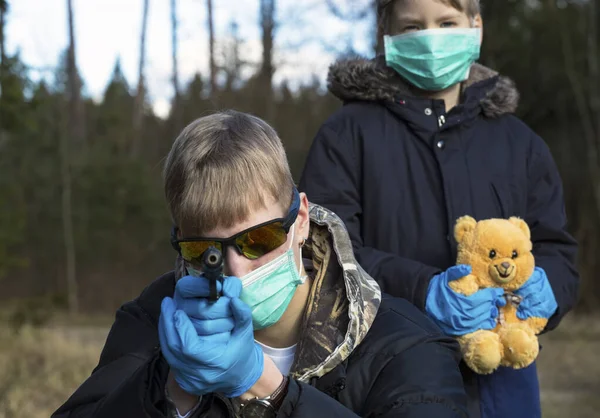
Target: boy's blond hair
[384,13]
[223,166]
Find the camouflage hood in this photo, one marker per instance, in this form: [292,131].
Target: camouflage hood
[343,299]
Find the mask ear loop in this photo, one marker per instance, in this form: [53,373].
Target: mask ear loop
[293,234]
[302,278]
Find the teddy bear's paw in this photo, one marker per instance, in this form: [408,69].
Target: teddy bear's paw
[465,286]
[537,324]
[483,352]
[521,347]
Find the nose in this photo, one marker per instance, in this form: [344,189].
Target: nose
[505,265]
[236,264]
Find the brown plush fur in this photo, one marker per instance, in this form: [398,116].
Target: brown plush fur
[372,80]
[499,253]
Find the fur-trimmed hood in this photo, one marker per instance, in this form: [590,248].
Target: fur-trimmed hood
[371,80]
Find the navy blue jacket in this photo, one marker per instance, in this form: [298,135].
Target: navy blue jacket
[399,171]
[399,360]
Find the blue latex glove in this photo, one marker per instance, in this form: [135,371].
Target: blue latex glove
[458,314]
[204,364]
[538,298]
[208,318]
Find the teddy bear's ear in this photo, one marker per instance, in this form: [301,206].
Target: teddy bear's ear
[464,225]
[521,224]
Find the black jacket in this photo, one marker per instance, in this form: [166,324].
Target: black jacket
[399,171]
[360,354]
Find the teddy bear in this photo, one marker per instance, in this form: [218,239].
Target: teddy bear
[499,253]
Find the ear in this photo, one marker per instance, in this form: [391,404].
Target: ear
[464,225]
[521,224]
[303,220]
[478,23]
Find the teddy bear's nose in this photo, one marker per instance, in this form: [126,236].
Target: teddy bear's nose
[505,265]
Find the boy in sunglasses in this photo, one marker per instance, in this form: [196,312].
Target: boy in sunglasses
[299,329]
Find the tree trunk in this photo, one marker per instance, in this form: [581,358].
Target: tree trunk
[67,220]
[211,49]
[75,136]
[3,10]
[76,121]
[585,98]
[140,96]
[594,63]
[176,109]
[267,17]
[233,64]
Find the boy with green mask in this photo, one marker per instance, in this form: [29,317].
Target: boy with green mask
[426,135]
[299,330]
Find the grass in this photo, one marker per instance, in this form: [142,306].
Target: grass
[569,369]
[41,367]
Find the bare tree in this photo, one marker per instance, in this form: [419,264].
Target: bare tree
[176,107]
[354,11]
[267,23]
[140,96]
[594,63]
[357,10]
[232,62]
[211,48]
[76,121]
[75,130]
[3,10]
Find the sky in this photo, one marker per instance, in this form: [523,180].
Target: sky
[309,38]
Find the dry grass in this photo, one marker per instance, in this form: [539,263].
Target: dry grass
[44,366]
[40,369]
[569,369]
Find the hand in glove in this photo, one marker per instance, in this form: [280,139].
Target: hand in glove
[208,318]
[538,298]
[204,364]
[457,314]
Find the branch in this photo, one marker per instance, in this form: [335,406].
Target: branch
[594,65]
[352,16]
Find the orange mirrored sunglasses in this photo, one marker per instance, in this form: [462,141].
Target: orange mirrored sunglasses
[252,243]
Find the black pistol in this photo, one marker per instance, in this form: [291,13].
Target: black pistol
[212,267]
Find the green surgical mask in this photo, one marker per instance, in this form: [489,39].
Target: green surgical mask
[269,289]
[433,59]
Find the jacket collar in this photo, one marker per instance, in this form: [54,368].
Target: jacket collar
[371,80]
[343,303]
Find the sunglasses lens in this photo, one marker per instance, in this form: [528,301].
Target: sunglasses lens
[192,250]
[261,241]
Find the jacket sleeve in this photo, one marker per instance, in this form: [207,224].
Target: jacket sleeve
[423,381]
[130,377]
[305,401]
[332,178]
[554,249]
